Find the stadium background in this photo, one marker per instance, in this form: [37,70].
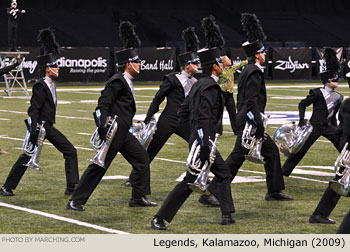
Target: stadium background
[90,28]
[92,25]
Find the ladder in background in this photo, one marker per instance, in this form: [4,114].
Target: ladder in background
[15,76]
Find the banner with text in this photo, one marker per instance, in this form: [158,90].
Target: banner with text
[291,63]
[321,63]
[77,64]
[155,63]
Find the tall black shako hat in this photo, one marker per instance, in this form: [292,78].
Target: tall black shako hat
[49,49]
[255,34]
[332,66]
[215,43]
[130,44]
[191,44]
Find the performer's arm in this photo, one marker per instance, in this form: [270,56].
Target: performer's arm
[36,102]
[163,91]
[208,100]
[108,95]
[7,69]
[254,84]
[310,99]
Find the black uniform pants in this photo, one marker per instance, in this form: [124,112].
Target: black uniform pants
[229,102]
[330,133]
[12,35]
[270,152]
[63,145]
[329,198]
[344,227]
[181,192]
[131,149]
[165,128]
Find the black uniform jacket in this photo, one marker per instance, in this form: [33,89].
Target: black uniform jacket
[8,68]
[251,94]
[203,108]
[117,99]
[42,106]
[173,90]
[344,119]
[320,111]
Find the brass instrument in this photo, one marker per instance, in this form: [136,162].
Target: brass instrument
[34,149]
[342,170]
[290,138]
[251,142]
[193,165]
[100,146]
[144,132]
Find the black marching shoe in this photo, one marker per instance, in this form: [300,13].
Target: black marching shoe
[209,200]
[320,219]
[157,223]
[280,196]
[71,205]
[142,202]
[6,192]
[226,219]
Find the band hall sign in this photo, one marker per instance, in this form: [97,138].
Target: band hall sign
[291,63]
[155,63]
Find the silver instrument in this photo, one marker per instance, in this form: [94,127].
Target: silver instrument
[290,138]
[33,150]
[100,146]
[144,132]
[342,169]
[193,165]
[249,141]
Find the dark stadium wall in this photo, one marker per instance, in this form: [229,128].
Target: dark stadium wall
[159,23]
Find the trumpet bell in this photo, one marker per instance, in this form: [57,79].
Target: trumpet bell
[340,188]
[144,132]
[198,188]
[254,154]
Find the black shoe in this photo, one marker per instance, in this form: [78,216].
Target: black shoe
[6,192]
[226,219]
[277,196]
[209,200]
[142,202]
[320,219]
[127,183]
[71,205]
[69,191]
[158,223]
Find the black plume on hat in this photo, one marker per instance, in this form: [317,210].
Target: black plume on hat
[128,36]
[252,28]
[191,39]
[212,33]
[332,62]
[48,42]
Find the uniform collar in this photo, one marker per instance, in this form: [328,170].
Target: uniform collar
[185,74]
[216,78]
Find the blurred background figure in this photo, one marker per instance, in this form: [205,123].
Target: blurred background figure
[13,13]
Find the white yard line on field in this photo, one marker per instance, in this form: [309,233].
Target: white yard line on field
[64,219]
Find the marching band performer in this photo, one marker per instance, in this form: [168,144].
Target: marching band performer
[175,87]
[13,12]
[118,99]
[203,109]
[43,105]
[330,198]
[226,83]
[326,102]
[251,97]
